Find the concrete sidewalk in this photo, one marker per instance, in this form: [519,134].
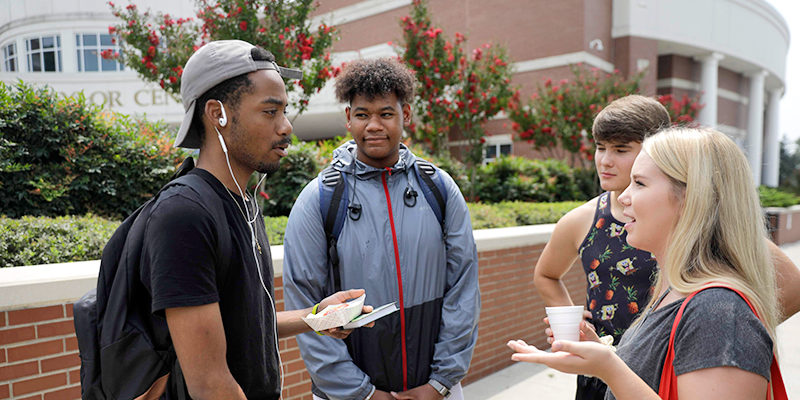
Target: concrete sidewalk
[531,381]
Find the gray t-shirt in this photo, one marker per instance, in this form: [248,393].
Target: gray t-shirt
[717,329]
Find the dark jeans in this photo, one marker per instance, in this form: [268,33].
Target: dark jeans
[590,388]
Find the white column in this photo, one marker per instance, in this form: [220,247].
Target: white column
[69,52]
[22,55]
[755,122]
[709,82]
[772,140]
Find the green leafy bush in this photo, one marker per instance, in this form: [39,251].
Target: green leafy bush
[297,169]
[41,240]
[514,213]
[771,197]
[63,155]
[276,226]
[521,179]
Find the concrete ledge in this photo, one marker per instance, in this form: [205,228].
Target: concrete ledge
[23,287]
[30,286]
[517,236]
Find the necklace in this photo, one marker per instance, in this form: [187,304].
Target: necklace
[250,223]
[650,311]
[655,305]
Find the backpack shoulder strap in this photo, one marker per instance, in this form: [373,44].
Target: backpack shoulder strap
[333,207]
[432,185]
[668,388]
[217,211]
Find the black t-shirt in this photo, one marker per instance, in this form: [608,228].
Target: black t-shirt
[179,270]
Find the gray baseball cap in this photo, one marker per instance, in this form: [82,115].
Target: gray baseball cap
[211,65]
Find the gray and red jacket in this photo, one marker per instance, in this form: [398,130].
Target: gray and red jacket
[397,254]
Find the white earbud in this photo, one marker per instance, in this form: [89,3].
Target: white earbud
[224,120]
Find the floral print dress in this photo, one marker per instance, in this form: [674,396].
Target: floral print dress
[619,276]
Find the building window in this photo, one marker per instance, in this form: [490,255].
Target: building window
[90,48]
[10,58]
[496,150]
[44,54]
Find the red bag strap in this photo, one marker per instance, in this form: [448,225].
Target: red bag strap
[668,388]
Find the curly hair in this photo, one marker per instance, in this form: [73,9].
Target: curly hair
[375,78]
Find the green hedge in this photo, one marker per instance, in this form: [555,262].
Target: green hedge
[42,240]
[771,197]
[66,156]
[505,214]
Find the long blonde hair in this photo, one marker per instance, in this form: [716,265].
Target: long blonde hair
[720,233]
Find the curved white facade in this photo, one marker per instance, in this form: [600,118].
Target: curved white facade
[122,91]
[750,34]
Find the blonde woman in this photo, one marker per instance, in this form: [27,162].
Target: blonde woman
[693,204]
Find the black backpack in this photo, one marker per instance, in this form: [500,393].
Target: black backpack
[124,348]
[333,191]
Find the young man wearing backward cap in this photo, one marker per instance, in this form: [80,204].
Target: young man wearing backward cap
[225,333]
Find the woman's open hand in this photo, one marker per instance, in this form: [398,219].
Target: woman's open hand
[585,358]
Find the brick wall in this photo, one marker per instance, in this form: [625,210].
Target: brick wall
[784,224]
[39,354]
[39,351]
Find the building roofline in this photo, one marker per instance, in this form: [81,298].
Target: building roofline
[80,16]
[770,13]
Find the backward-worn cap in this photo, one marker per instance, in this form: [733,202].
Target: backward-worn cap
[211,65]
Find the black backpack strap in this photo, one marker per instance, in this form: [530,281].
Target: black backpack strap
[434,190]
[217,211]
[333,206]
[178,378]
[224,246]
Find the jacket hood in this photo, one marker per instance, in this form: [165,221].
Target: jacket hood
[344,160]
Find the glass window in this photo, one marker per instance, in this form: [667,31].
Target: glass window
[44,53]
[491,151]
[90,48]
[10,57]
[496,150]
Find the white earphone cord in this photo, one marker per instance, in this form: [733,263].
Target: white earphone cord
[250,225]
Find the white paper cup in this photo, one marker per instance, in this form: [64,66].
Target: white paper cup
[565,322]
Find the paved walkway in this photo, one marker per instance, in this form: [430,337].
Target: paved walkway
[531,381]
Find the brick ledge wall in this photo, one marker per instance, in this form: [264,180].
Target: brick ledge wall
[38,348]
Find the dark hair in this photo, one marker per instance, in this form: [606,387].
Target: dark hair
[375,78]
[228,91]
[630,119]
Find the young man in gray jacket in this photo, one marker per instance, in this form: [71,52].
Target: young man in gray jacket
[391,245]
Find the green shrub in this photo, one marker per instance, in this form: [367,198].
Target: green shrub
[63,155]
[537,213]
[521,179]
[771,197]
[515,213]
[486,216]
[42,240]
[276,226]
[297,169]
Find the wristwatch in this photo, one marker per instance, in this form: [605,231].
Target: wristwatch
[442,389]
